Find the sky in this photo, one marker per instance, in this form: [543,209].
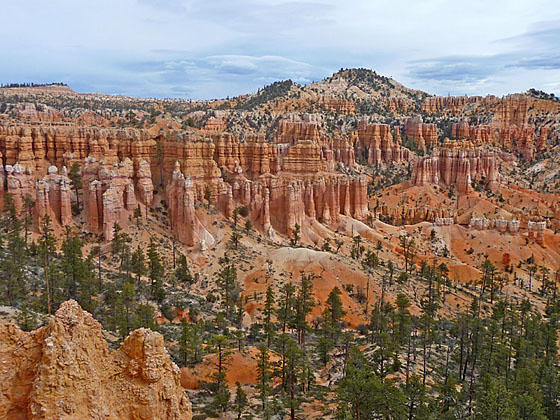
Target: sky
[204,49]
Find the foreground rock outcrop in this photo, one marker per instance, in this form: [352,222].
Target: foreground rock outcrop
[65,371]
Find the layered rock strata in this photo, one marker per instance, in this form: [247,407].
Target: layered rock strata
[376,144]
[281,183]
[181,201]
[444,221]
[457,164]
[536,231]
[501,225]
[424,135]
[53,197]
[49,195]
[110,193]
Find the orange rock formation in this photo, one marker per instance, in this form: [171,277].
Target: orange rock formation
[458,164]
[65,370]
[424,135]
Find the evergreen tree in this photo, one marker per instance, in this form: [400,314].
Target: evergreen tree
[182,272]
[304,304]
[220,345]
[190,344]
[227,282]
[76,178]
[296,236]
[264,377]
[47,248]
[138,264]
[145,317]
[409,250]
[268,312]
[240,402]
[294,357]
[13,288]
[155,271]
[77,271]
[28,206]
[333,313]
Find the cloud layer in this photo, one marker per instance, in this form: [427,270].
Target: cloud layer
[218,48]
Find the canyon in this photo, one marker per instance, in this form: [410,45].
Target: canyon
[327,180]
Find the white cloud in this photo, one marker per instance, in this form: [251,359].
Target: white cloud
[202,48]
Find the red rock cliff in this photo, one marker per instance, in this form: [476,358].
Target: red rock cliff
[457,163]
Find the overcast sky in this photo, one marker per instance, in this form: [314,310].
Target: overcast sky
[215,48]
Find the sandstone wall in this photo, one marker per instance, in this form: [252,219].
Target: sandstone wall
[424,135]
[375,142]
[457,164]
[65,370]
[282,184]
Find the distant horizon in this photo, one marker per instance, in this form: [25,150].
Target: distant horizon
[196,49]
[33,84]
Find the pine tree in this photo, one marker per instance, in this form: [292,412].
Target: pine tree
[190,344]
[137,215]
[294,358]
[495,401]
[126,307]
[285,312]
[144,317]
[47,248]
[227,282]
[138,264]
[155,271]
[304,304]
[268,312]
[296,236]
[264,377]
[235,239]
[182,273]
[353,390]
[77,271]
[240,402]
[28,206]
[76,178]
[220,345]
[13,254]
[333,313]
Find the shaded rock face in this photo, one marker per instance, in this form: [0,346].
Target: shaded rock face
[39,147]
[451,105]
[184,222]
[305,137]
[110,193]
[424,135]
[282,202]
[457,164]
[255,156]
[53,197]
[19,183]
[51,194]
[516,122]
[523,138]
[536,231]
[411,214]
[376,143]
[65,370]
[291,132]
